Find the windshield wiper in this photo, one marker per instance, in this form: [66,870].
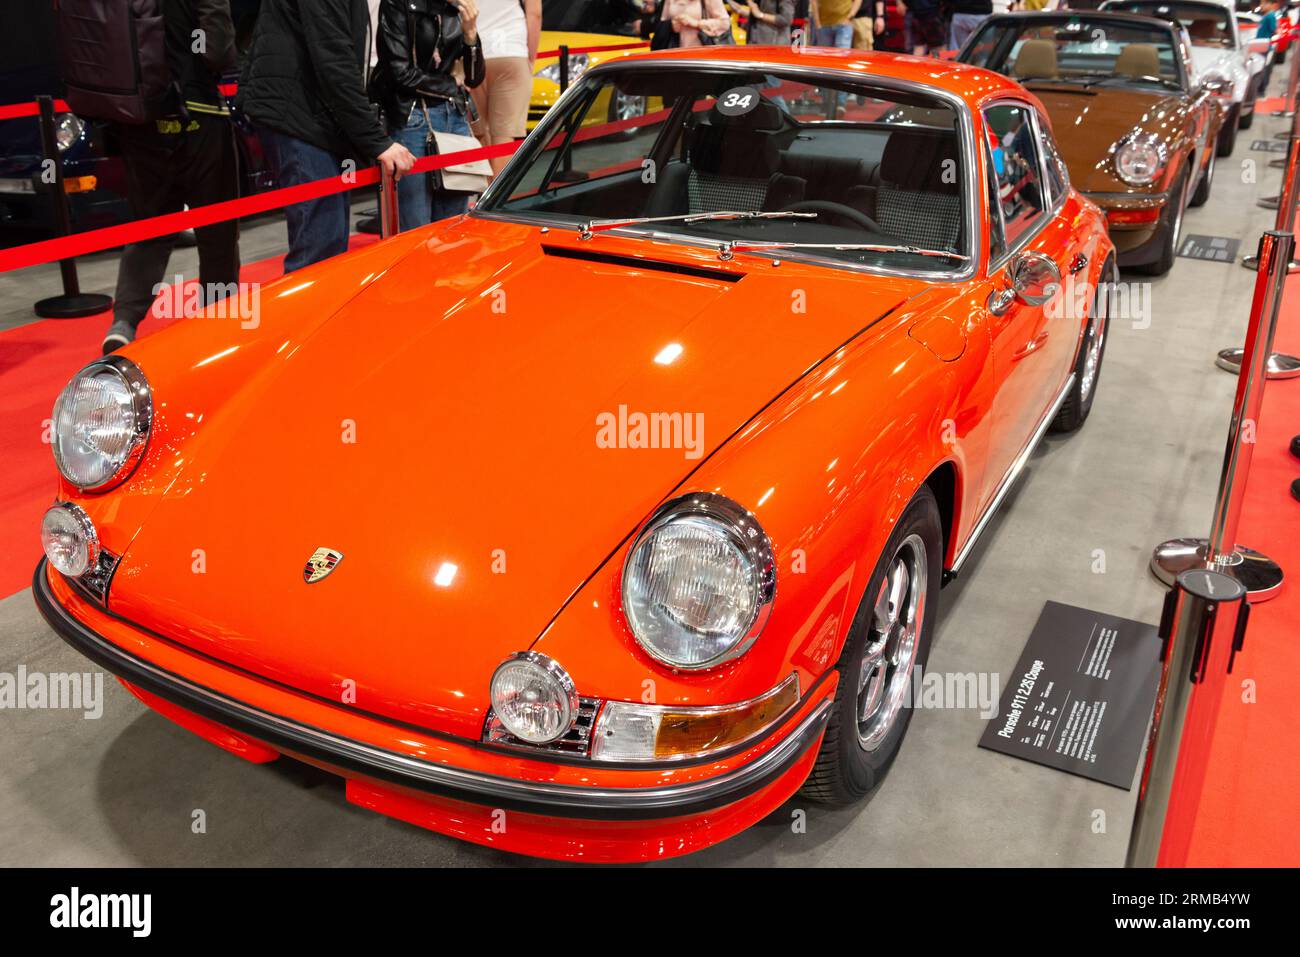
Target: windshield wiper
[729,249]
[593,226]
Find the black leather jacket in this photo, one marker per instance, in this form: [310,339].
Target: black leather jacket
[419,42]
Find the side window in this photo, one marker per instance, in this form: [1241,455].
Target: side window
[1020,186]
[1058,177]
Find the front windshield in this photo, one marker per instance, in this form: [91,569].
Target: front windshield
[828,162]
[1078,50]
[1207,26]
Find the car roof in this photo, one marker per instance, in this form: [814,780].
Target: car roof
[1204,4]
[1092,16]
[971,83]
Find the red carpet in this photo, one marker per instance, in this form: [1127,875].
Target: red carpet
[36,361]
[1250,813]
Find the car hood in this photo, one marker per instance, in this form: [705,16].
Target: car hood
[442,431]
[1088,123]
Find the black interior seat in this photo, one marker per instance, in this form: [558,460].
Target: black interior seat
[919,199]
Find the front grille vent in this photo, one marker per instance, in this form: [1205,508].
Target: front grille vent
[577,742]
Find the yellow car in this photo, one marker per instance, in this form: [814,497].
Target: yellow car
[578,24]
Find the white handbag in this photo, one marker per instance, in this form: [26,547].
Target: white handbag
[470,177]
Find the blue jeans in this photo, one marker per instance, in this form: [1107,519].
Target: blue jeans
[963,25]
[418,203]
[840,35]
[318,228]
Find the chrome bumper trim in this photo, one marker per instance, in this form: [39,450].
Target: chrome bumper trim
[557,800]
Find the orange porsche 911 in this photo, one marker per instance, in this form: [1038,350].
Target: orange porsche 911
[598,522]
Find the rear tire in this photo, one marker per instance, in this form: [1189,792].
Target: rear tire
[889,638]
[1087,367]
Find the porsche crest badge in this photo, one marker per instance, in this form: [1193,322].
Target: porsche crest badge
[321,563]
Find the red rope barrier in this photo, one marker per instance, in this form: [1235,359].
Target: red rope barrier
[109,237]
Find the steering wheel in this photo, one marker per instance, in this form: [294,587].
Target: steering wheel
[835,209]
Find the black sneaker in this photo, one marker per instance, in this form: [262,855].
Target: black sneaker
[119,334]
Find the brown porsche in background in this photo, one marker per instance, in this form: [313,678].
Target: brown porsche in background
[1135,128]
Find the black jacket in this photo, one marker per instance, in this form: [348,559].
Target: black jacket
[411,32]
[197,74]
[306,76]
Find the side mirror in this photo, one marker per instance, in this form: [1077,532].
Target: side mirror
[1032,278]
[1217,86]
[1257,45]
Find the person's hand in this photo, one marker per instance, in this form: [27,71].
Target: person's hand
[755,11]
[879,25]
[396,160]
[468,11]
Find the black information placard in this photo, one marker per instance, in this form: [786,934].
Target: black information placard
[1219,249]
[1081,696]
[1269,146]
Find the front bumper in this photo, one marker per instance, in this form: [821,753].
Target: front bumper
[1135,242]
[426,787]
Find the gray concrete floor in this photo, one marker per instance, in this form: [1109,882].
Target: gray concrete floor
[123,789]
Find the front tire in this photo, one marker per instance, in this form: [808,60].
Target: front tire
[889,638]
[1171,227]
[1087,368]
[1227,138]
[1207,178]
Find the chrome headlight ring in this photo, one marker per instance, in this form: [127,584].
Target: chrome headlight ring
[1125,154]
[139,395]
[729,534]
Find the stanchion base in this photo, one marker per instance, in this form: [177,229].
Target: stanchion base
[1257,573]
[1252,262]
[1269,202]
[76,306]
[1280,365]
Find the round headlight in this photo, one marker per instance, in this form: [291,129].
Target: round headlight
[67,129]
[101,422]
[69,539]
[534,697]
[1139,162]
[699,582]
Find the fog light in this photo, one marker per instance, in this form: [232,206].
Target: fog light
[70,540]
[628,731]
[534,697]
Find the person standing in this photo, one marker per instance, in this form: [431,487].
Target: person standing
[510,30]
[304,88]
[834,22]
[683,22]
[869,22]
[429,52]
[967,15]
[185,158]
[769,21]
[924,26]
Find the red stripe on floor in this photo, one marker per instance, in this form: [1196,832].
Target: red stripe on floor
[1250,812]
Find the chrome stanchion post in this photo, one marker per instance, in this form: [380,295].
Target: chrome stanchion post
[389,221]
[1202,627]
[73,303]
[1261,576]
[1292,85]
[1279,364]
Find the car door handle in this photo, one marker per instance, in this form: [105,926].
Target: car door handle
[1078,263]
